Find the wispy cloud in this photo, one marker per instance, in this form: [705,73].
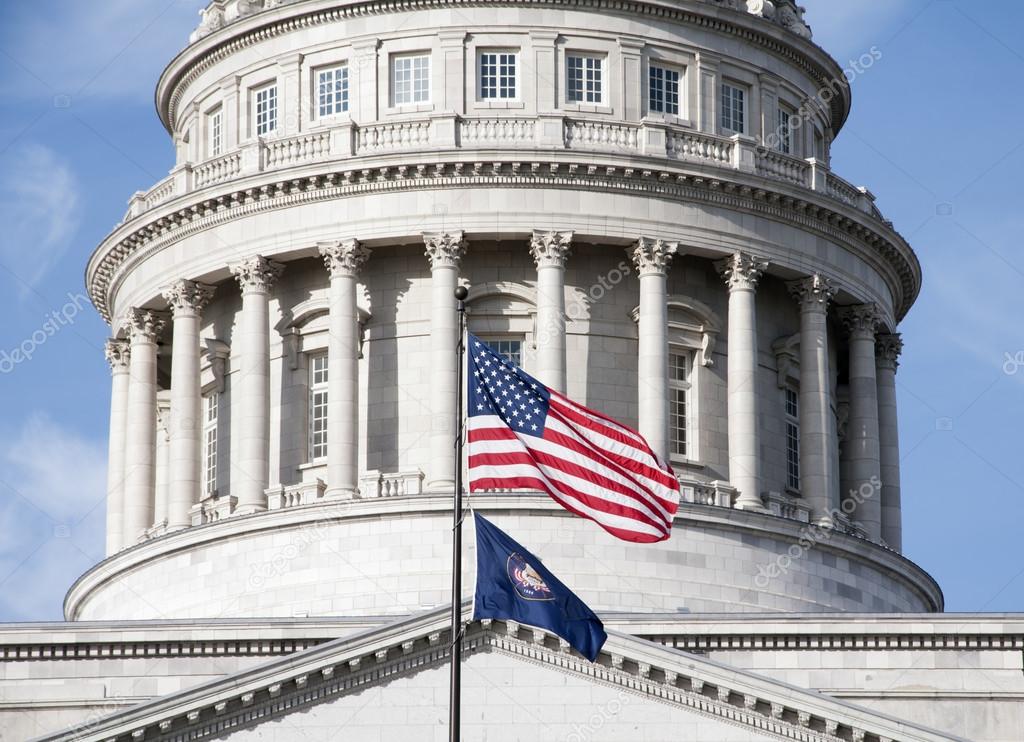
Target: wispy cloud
[39,208]
[116,48]
[52,483]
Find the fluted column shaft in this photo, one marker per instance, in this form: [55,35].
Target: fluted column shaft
[742,273]
[251,385]
[140,451]
[818,477]
[186,299]
[652,258]
[343,261]
[887,351]
[445,251]
[118,353]
[549,251]
[862,429]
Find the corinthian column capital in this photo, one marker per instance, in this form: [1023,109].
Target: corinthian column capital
[145,325]
[445,249]
[550,248]
[741,271]
[813,293]
[118,353]
[344,257]
[888,347]
[256,275]
[652,256]
[861,320]
[188,297]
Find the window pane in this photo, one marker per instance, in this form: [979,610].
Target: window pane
[215,130]
[210,412]
[664,90]
[266,110]
[584,82]
[784,132]
[411,80]
[679,399]
[733,108]
[792,439]
[332,91]
[318,376]
[512,350]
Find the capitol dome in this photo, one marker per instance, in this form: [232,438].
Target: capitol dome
[638,197]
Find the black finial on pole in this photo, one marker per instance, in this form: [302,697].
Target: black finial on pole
[455,703]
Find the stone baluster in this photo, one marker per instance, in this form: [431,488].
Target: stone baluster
[742,273]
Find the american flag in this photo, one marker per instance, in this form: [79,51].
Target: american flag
[523,435]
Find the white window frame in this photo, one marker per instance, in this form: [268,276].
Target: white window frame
[498,93]
[726,90]
[270,125]
[590,63]
[791,423]
[215,132]
[680,387]
[211,416]
[783,118]
[332,102]
[317,408]
[680,92]
[413,92]
[495,343]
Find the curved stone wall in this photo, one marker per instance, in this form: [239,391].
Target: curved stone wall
[393,556]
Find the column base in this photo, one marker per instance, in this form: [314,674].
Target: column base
[753,505]
[342,493]
[441,486]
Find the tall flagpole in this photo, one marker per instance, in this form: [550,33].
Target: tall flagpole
[455,702]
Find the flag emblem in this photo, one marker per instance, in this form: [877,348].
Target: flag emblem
[523,435]
[526,580]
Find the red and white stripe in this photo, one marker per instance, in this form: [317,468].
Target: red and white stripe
[588,463]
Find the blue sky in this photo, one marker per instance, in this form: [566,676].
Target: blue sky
[933,134]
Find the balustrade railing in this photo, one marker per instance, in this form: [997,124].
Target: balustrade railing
[350,140]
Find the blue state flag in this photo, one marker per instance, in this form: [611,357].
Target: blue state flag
[511,583]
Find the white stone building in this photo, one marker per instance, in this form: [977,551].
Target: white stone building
[637,195]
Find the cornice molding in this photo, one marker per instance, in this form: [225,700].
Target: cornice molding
[244,33]
[414,644]
[201,211]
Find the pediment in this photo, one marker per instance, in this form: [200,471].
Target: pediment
[518,683]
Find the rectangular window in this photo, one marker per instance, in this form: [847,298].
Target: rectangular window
[679,403]
[215,132]
[734,102]
[498,75]
[785,134]
[410,79]
[664,90]
[584,78]
[266,110]
[211,403]
[512,350]
[332,91]
[317,407]
[792,439]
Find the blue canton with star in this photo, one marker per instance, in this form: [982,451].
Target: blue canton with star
[499,387]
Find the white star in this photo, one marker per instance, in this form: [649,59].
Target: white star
[534,427]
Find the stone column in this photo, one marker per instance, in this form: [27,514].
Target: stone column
[549,250]
[118,352]
[742,273]
[864,456]
[887,352]
[140,451]
[162,488]
[652,258]
[343,260]
[250,397]
[445,251]
[187,299]
[818,478]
